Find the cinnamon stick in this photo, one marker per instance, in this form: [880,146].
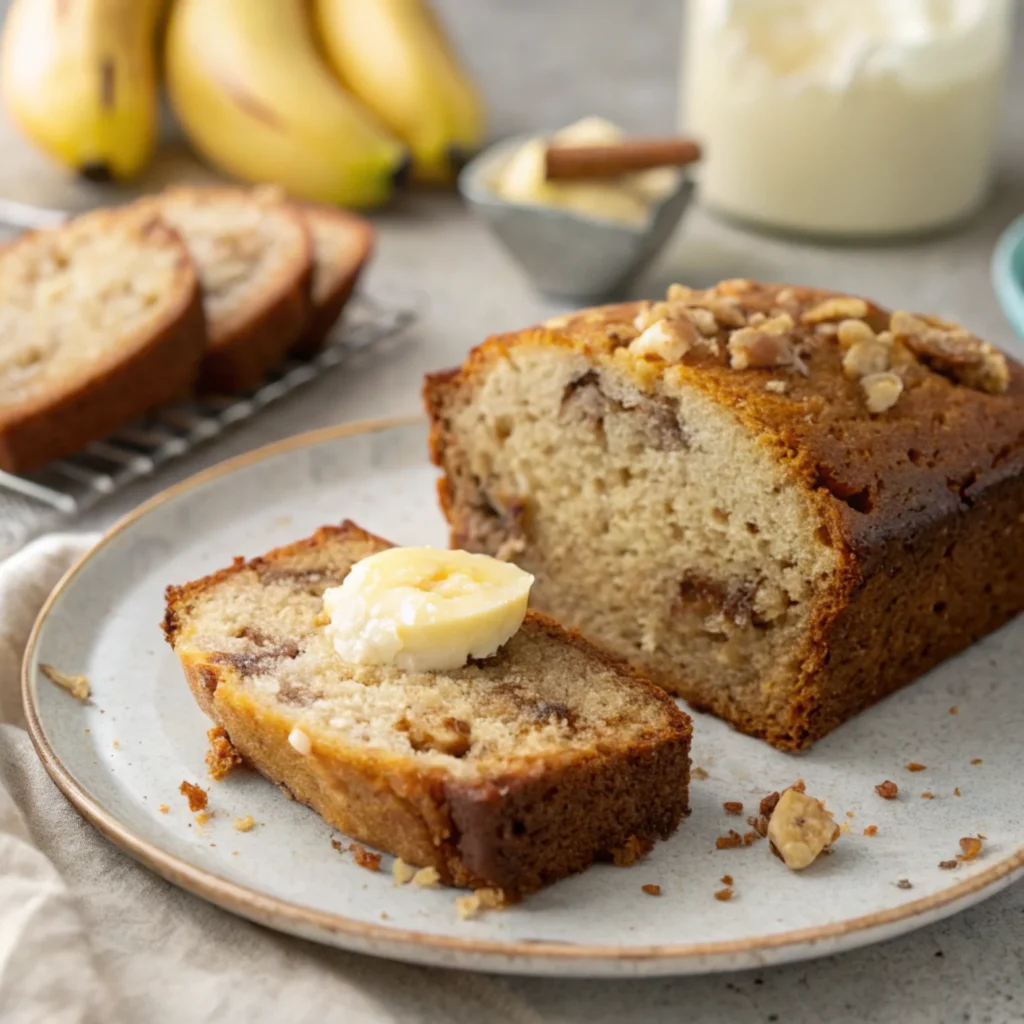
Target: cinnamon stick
[573,163]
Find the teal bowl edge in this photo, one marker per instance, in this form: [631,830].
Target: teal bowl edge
[1008,275]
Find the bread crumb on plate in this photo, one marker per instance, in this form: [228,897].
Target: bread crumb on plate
[245,824]
[223,756]
[197,796]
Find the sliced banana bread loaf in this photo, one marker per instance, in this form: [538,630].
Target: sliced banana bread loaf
[100,320]
[778,502]
[342,243]
[255,262]
[510,773]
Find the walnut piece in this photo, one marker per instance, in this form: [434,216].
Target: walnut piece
[668,340]
[881,390]
[800,828]
[952,351]
[850,332]
[77,686]
[864,358]
[766,345]
[841,307]
[245,824]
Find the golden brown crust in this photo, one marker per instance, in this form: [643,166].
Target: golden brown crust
[338,280]
[921,502]
[474,833]
[154,365]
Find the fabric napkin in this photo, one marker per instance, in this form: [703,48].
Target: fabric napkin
[87,936]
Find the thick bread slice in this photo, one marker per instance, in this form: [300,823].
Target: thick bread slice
[792,502]
[255,262]
[511,772]
[100,320]
[342,245]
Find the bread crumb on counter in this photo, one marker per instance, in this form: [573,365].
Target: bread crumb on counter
[724,895]
[733,807]
[365,858]
[245,824]
[223,756]
[197,796]
[77,686]
[871,830]
[651,889]
[916,766]
[729,841]
[887,790]
[163,808]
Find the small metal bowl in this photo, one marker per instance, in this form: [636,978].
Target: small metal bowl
[567,254]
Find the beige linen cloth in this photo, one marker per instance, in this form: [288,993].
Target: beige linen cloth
[87,936]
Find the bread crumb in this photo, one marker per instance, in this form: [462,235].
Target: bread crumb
[956,792]
[245,824]
[427,878]
[727,842]
[222,756]
[203,817]
[365,858]
[915,766]
[698,773]
[949,865]
[750,837]
[163,808]
[726,879]
[844,829]
[970,848]
[403,873]
[887,790]
[724,895]
[871,830]
[77,686]
[927,796]
[976,760]
[631,851]
[196,795]
[651,890]
[337,846]
[850,814]
[733,807]
[954,710]
[904,883]
[481,899]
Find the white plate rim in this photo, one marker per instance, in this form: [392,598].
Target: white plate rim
[512,956]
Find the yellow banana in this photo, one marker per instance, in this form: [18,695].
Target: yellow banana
[257,100]
[393,55]
[79,78]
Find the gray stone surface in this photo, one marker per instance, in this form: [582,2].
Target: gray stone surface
[543,63]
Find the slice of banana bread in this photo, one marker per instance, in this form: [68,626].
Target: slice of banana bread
[342,243]
[100,320]
[509,773]
[255,262]
[778,502]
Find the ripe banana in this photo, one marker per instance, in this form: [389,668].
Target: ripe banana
[257,100]
[425,609]
[393,55]
[79,78]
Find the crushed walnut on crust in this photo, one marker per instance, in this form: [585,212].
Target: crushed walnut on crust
[800,828]
[222,756]
[77,686]
[197,796]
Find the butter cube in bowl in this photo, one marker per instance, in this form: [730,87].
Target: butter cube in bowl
[582,239]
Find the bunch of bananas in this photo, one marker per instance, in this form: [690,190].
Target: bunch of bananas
[330,99]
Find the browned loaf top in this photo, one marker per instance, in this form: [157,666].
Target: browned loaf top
[780,502]
[509,773]
[100,320]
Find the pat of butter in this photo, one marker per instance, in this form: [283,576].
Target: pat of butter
[522,179]
[425,609]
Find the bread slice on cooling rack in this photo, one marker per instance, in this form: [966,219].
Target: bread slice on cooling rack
[100,320]
[509,773]
[255,262]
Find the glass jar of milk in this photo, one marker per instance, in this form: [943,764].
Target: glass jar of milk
[852,118]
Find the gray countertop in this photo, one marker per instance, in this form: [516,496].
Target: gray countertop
[545,63]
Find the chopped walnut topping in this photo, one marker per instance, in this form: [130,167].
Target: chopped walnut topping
[426,878]
[668,340]
[727,842]
[756,319]
[223,756]
[766,345]
[651,890]
[77,686]
[724,895]
[854,332]
[246,824]
[481,899]
[401,872]
[679,293]
[952,351]
[881,391]
[970,848]
[887,790]
[364,858]
[704,320]
[800,829]
[197,796]
[842,307]
[733,807]
[734,286]
[631,851]
[864,358]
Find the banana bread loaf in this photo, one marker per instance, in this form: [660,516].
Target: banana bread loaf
[509,773]
[779,502]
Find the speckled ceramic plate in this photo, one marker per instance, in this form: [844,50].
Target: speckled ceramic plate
[121,757]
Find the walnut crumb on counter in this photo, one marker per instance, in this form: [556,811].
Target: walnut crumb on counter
[163,808]
[727,842]
[977,760]
[197,796]
[970,848]
[927,796]
[724,895]
[77,686]
[949,865]
[871,830]
[651,889]
[733,807]
[726,879]
[915,766]
[904,883]
[887,790]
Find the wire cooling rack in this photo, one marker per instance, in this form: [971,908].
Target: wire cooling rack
[54,496]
